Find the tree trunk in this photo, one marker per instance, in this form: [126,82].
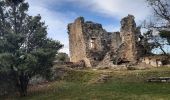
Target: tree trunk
[162,50]
[23,84]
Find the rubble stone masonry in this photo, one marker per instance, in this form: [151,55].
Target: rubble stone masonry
[89,42]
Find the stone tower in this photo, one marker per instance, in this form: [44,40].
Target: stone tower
[129,33]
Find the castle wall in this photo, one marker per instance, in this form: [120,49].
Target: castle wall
[129,37]
[94,32]
[76,40]
[115,41]
[88,41]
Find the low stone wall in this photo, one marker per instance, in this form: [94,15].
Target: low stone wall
[159,79]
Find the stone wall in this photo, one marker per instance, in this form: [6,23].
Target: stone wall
[77,43]
[90,42]
[115,41]
[155,61]
[130,37]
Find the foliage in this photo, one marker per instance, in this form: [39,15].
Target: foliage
[153,41]
[25,50]
[165,34]
[148,46]
[62,57]
[6,62]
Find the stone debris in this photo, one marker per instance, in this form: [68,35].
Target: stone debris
[159,79]
[101,79]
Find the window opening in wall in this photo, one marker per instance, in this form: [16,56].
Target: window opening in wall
[93,43]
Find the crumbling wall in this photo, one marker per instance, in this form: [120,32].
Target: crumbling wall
[88,41]
[106,62]
[91,43]
[129,34]
[76,40]
[97,36]
[115,41]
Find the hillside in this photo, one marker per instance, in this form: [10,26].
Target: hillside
[102,85]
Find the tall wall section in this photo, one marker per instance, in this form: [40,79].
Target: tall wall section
[97,42]
[116,41]
[88,40]
[77,44]
[129,34]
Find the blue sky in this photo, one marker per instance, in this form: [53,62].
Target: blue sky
[58,13]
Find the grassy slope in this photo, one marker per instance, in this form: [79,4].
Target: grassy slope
[123,85]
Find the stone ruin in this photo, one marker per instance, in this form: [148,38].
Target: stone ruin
[89,42]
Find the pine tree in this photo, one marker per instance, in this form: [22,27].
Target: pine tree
[25,49]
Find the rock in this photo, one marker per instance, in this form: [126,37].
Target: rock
[101,79]
[159,79]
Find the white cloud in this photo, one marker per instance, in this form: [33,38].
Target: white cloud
[117,8]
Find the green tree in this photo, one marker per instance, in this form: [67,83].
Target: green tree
[25,50]
[165,34]
[62,57]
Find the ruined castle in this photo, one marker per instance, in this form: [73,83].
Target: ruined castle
[90,43]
